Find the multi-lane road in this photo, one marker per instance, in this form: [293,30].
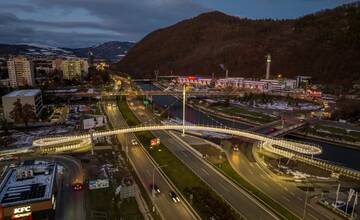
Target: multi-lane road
[144,167]
[241,201]
[284,192]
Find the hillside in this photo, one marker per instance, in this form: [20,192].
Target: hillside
[325,45]
[32,50]
[113,50]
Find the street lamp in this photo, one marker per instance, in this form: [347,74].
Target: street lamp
[153,184]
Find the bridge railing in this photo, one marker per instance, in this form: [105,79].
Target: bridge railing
[299,147]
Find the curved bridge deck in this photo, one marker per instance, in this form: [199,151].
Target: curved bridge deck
[297,147]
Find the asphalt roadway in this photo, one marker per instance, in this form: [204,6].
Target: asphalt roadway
[144,167]
[284,192]
[70,204]
[241,201]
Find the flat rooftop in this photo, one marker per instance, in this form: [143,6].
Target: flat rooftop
[31,182]
[24,92]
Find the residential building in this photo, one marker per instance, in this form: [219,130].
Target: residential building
[57,64]
[26,96]
[21,72]
[3,68]
[42,67]
[74,68]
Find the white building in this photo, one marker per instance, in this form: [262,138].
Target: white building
[21,72]
[263,85]
[256,85]
[27,96]
[233,82]
[280,84]
[194,80]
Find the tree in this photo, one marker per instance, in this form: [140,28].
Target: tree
[28,113]
[16,113]
[4,125]
[22,113]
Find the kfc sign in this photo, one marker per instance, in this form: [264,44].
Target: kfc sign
[21,210]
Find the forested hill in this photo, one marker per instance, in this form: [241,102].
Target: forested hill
[325,45]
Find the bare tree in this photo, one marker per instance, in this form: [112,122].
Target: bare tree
[22,113]
[16,113]
[28,113]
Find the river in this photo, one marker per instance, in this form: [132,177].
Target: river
[335,153]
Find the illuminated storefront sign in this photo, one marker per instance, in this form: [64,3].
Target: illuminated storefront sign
[22,212]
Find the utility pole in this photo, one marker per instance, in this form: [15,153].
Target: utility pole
[184,107]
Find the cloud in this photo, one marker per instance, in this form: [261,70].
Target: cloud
[78,23]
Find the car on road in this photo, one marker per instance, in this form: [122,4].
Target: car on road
[134,142]
[236,147]
[114,105]
[77,186]
[270,130]
[155,188]
[174,197]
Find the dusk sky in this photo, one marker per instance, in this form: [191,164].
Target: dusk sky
[82,23]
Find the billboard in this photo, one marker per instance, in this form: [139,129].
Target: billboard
[98,184]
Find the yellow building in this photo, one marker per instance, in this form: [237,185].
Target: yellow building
[74,68]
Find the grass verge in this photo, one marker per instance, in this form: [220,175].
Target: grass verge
[129,210]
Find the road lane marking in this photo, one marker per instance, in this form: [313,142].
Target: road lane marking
[205,171]
[312,216]
[287,199]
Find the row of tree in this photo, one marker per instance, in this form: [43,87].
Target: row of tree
[22,113]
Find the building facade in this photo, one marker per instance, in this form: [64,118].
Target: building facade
[74,69]
[29,96]
[242,83]
[21,72]
[29,191]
